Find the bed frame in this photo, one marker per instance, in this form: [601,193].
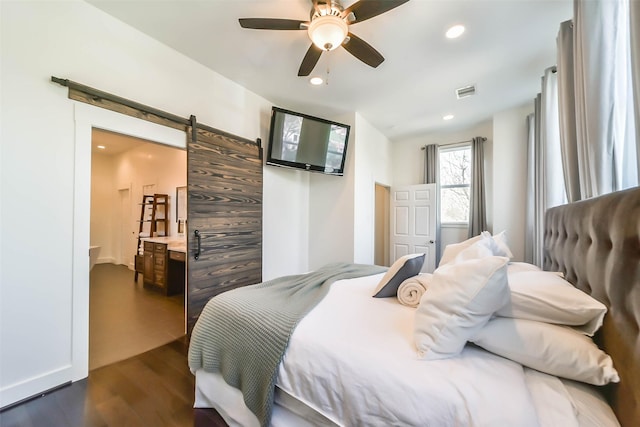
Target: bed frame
[596,244]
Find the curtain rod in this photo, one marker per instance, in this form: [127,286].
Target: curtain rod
[452,143]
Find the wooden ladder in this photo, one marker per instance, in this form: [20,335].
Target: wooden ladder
[154,211]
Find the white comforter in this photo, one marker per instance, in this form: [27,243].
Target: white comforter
[353,359]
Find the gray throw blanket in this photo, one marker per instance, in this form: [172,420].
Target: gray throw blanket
[243,333]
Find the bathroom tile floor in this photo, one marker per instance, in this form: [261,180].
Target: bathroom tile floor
[125,319]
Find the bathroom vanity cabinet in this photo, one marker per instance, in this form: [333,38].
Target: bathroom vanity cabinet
[164,265]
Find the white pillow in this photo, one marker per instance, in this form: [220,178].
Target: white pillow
[546,297]
[497,244]
[553,349]
[453,249]
[404,267]
[516,267]
[485,247]
[460,300]
[501,243]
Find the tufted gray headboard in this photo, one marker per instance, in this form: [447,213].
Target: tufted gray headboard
[596,244]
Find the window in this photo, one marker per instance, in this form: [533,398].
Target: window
[455,184]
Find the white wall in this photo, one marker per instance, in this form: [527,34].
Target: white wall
[510,175]
[331,207]
[330,219]
[342,209]
[103,200]
[408,168]
[372,165]
[287,203]
[151,164]
[146,164]
[74,40]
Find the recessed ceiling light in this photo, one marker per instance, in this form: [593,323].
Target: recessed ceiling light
[455,31]
[447,117]
[102,147]
[316,81]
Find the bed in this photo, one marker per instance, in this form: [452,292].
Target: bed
[351,360]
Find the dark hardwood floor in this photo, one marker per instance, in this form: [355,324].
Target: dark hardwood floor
[152,389]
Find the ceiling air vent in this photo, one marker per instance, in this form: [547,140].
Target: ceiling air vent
[463,92]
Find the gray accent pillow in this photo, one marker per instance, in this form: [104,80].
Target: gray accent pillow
[404,267]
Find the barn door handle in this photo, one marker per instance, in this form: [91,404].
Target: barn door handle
[199,239]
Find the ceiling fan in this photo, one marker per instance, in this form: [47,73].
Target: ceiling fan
[328,28]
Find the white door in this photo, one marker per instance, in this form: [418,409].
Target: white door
[413,223]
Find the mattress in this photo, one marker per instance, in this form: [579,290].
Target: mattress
[352,362]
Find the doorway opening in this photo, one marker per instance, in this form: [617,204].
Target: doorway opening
[127,317]
[381,234]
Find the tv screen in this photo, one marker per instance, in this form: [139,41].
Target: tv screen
[300,141]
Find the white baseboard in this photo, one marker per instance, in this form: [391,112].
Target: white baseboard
[34,386]
[131,266]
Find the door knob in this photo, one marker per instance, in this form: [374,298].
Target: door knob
[431,242]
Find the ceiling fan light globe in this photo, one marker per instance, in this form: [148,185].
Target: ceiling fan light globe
[328,32]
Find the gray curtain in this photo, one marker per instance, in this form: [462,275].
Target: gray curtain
[634,30]
[545,182]
[593,59]
[478,208]
[567,112]
[538,185]
[553,179]
[605,135]
[430,164]
[431,177]
[530,216]
[549,181]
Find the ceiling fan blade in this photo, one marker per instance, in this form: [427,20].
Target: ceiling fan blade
[272,24]
[367,9]
[363,51]
[310,60]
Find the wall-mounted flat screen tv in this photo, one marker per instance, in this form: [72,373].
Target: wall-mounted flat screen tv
[301,141]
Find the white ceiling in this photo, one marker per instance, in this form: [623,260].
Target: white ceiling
[113,143]
[504,51]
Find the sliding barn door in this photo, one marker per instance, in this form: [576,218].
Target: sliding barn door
[224,226]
